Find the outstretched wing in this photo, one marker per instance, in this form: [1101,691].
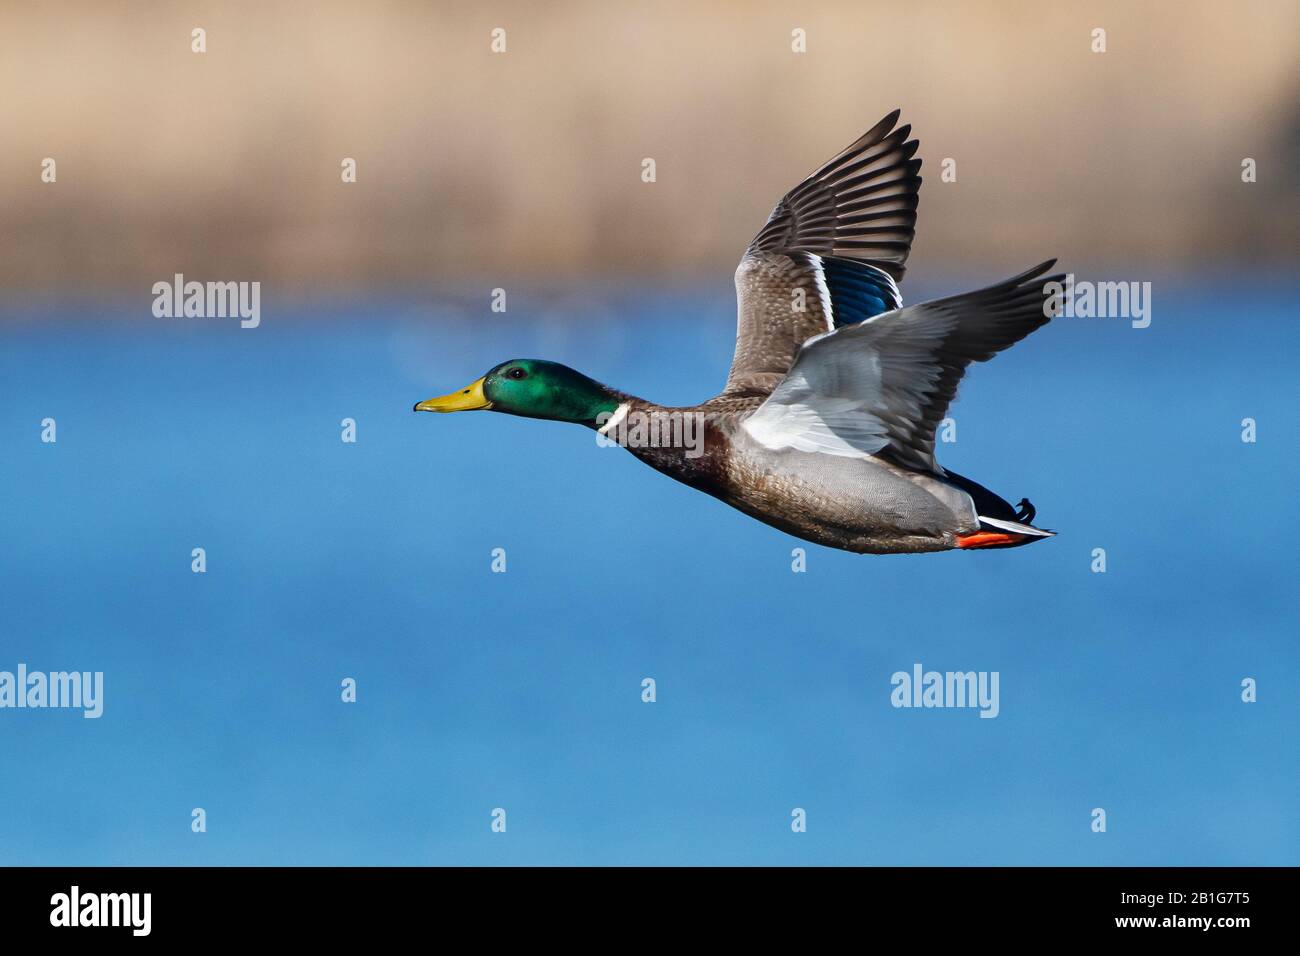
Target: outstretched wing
[883,386]
[830,255]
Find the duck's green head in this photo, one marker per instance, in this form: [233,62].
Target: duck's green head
[532,388]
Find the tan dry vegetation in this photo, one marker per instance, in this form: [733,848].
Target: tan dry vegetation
[226,164]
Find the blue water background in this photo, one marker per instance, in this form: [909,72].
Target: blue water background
[522,690]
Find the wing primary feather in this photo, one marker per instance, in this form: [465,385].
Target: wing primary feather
[859,206]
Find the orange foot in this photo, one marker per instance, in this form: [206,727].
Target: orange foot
[988,539]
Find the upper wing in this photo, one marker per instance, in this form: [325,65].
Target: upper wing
[854,216]
[883,386]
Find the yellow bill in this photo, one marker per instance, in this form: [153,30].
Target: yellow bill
[469,398]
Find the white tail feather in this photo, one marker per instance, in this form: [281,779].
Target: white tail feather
[1015,527]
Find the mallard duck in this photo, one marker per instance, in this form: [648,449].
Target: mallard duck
[826,427]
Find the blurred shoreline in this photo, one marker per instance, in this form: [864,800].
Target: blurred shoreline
[608,299]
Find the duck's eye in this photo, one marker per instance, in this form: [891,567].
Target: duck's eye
[516,373]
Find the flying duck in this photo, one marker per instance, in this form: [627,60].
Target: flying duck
[826,427]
